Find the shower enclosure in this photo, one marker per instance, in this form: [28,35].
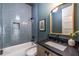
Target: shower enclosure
[15,24]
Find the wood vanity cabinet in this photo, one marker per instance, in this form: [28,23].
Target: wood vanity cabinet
[41,51]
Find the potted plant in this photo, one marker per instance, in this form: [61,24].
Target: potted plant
[73,36]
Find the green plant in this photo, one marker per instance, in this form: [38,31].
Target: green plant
[73,35]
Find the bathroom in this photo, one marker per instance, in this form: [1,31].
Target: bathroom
[26,28]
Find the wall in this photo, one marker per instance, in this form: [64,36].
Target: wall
[16,24]
[77,19]
[41,11]
[1,38]
[35,22]
[77,16]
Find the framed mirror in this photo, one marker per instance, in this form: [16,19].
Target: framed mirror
[62,19]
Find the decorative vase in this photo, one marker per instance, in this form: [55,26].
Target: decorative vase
[71,42]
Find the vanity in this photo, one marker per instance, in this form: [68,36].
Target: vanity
[42,51]
[52,47]
[47,52]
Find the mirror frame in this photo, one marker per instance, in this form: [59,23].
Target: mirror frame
[51,32]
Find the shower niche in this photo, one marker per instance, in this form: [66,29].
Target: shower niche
[15,31]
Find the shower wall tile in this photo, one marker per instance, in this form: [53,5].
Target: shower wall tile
[1,38]
[16,23]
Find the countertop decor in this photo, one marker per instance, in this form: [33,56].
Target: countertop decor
[73,36]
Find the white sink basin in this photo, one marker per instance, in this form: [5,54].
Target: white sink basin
[56,45]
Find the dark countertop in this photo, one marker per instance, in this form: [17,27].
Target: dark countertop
[69,51]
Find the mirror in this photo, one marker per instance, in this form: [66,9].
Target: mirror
[62,19]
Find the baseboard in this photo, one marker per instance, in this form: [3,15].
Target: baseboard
[1,52]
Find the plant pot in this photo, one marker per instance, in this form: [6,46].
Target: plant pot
[71,42]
